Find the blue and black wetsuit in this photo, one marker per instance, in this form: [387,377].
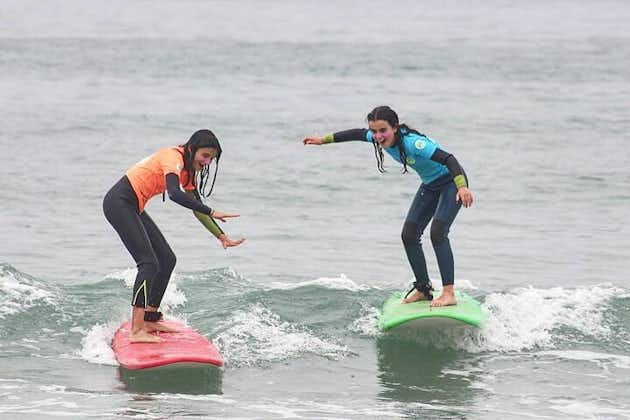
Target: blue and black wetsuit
[441,176]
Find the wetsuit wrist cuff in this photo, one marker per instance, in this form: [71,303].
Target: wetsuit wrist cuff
[460,181]
[328,138]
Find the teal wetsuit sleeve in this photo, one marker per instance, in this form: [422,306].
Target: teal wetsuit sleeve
[205,219]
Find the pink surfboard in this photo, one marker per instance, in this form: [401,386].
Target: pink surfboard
[184,347]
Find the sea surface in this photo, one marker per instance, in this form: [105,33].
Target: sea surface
[531,97]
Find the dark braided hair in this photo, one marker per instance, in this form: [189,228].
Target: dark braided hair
[201,138]
[387,114]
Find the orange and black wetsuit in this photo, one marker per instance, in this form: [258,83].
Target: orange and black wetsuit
[124,204]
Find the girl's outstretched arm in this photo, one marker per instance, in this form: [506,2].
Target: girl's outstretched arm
[355,134]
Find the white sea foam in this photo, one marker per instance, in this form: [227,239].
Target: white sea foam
[589,409]
[128,275]
[367,323]
[336,283]
[526,318]
[19,293]
[258,335]
[616,360]
[96,345]
[173,297]
[466,284]
[308,409]
[222,399]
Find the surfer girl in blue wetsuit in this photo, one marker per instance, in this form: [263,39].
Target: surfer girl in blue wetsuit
[170,169]
[443,191]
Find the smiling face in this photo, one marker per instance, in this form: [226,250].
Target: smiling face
[384,134]
[203,157]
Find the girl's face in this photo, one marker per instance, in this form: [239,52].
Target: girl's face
[383,133]
[203,157]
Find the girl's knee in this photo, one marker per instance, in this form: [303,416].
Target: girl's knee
[410,234]
[168,261]
[439,231]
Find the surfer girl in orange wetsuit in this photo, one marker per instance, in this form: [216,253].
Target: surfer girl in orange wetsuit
[171,169]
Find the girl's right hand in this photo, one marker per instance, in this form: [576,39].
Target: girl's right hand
[222,215]
[313,140]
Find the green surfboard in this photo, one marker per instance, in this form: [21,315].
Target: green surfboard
[395,313]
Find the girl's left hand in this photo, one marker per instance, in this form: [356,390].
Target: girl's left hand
[228,243]
[465,196]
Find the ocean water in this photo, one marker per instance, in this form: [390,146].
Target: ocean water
[531,98]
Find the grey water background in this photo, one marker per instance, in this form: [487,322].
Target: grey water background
[531,97]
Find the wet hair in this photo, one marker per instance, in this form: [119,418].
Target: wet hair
[201,138]
[387,114]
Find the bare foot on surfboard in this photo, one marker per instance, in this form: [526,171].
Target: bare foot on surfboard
[143,337]
[446,299]
[415,297]
[158,326]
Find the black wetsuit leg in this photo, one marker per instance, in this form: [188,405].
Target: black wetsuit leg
[164,255]
[120,206]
